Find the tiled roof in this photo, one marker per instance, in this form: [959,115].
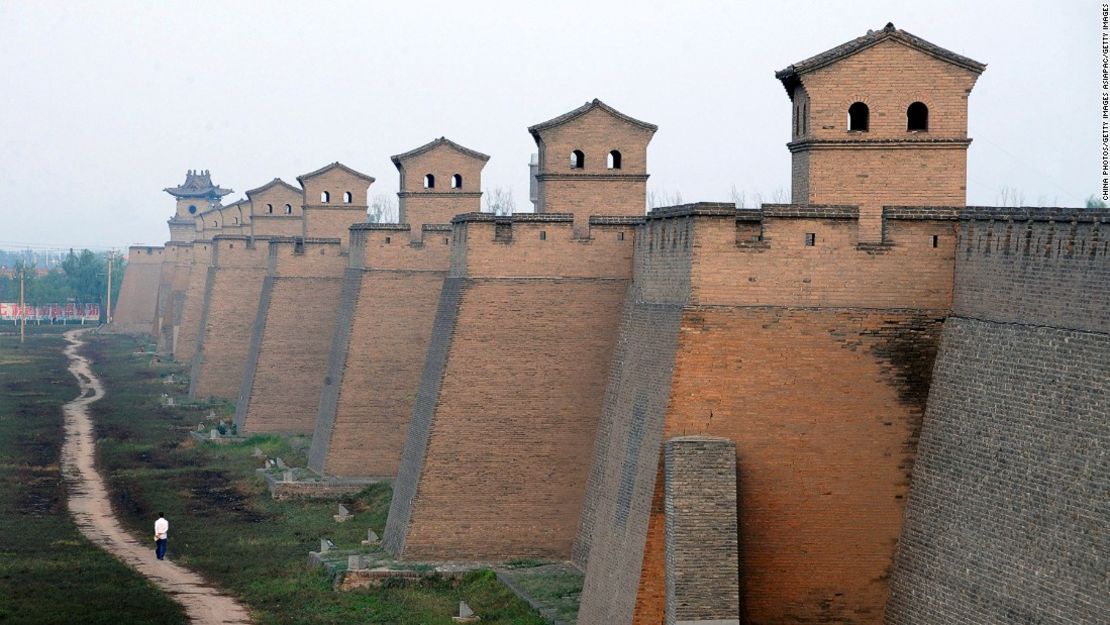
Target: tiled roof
[585,108]
[397,158]
[790,75]
[197,183]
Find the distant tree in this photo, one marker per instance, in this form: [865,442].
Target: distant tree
[661,197]
[1010,196]
[499,201]
[739,198]
[1093,201]
[87,274]
[383,209]
[53,288]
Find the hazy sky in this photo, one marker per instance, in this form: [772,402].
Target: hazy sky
[103,104]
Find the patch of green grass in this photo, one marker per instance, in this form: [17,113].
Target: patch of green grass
[225,525]
[556,587]
[49,573]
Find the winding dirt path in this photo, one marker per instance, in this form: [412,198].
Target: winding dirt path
[89,505]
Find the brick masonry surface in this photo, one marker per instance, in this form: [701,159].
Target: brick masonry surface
[823,400]
[192,308]
[138,294]
[231,300]
[701,531]
[1006,517]
[507,446]
[287,362]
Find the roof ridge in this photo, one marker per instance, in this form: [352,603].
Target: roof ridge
[330,166]
[585,108]
[434,143]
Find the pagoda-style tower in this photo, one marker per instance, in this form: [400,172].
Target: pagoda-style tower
[196,195]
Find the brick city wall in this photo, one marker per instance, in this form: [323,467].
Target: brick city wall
[287,359]
[828,364]
[138,294]
[701,531]
[186,343]
[230,306]
[1008,493]
[378,348]
[498,452]
[171,292]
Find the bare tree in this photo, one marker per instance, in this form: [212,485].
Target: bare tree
[779,196]
[499,201]
[739,198]
[662,197]
[1010,196]
[383,209]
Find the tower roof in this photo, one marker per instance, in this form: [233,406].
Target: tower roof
[791,75]
[335,165]
[276,182]
[586,108]
[397,158]
[198,183]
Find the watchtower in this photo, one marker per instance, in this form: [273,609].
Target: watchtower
[196,195]
[880,120]
[439,180]
[592,161]
[334,198]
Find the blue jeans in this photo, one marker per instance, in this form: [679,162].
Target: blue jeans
[160,548]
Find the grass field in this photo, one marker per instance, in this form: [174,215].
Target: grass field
[225,525]
[49,573]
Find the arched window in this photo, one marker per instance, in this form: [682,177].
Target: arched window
[269,209]
[804,110]
[325,197]
[577,159]
[288,209]
[346,197]
[235,221]
[858,117]
[429,181]
[917,117]
[456,181]
[615,159]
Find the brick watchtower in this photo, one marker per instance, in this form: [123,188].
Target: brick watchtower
[195,196]
[880,120]
[334,198]
[593,161]
[439,180]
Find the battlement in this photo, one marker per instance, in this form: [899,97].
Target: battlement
[145,254]
[795,255]
[237,250]
[297,257]
[541,245]
[392,247]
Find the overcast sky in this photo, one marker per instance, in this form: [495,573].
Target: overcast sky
[103,104]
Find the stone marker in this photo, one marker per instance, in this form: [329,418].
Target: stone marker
[280,463]
[326,545]
[466,615]
[371,538]
[169,402]
[213,433]
[344,514]
[287,476]
[355,563]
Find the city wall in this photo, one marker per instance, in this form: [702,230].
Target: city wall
[287,358]
[379,344]
[1006,514]
[495,463]
[229,306]
[826,348]
[138,294]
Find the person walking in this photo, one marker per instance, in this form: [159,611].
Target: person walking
[161,535]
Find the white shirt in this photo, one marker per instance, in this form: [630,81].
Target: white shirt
[161,528]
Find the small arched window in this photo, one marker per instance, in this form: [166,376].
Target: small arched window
[346,197]
[456,181]
[917,117]
[288,209]
[325,197]
[615,159]
[269,209]
[858,117]
[235,221]
[429,181]
[577,159]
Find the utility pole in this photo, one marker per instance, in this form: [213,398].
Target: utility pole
[108,298]
[22,304]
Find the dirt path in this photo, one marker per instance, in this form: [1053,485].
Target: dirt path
[89,505]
